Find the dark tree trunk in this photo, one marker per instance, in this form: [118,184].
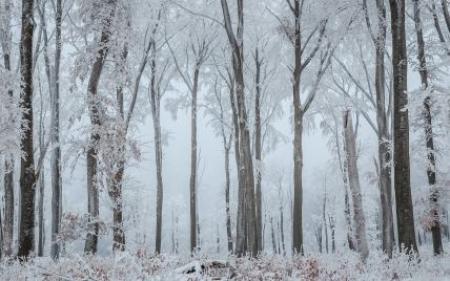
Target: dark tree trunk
[405,213]
[193,177]
[258,151]
[56,179]
[431,167]
[27,173]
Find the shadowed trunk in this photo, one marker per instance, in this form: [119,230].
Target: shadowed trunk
[258,151]
[428,126]
[27,171]
[403,198]
[56,179]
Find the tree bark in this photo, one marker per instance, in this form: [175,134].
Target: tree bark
[90,246]
[8,179]
[155,100]
[246,221]
[27,173]
[193,177]
[384,157]
[428,126]
[258,151]
[56,178]
[355,187]
[405,212]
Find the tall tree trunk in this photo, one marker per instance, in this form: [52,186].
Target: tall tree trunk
[405,212]
[27,173]
[258,151]
[155,100]
[8,180]
[193,177]
[41,184]
[431,166]
[246,221]
[56,178]
[90,245]
[355,187]
[297,225]
[383,134]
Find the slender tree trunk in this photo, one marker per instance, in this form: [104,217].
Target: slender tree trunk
[27,174]
[193,177]
[56,178]
[227,198]
[431,167]
[8,180]
[332,222]
[272,233]
[156,117]
[355,187]
[383,134]
[246,222]
[90,245]
[258,151]
[283,244]
[324,219]
[444,5]
[405,212]
[41,225]
[297,225]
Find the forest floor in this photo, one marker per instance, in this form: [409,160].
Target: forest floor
[333,267]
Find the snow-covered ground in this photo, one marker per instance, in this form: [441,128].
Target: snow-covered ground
[337,267]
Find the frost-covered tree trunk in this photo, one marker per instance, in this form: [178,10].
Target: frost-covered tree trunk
[355,187]
[27,173]
[55,164]
[258,151]
[246,241]
[428,126]
[155,102]
[226,142]
[8,178]
[402,183]
[90,245]
[115,184]
[384,154]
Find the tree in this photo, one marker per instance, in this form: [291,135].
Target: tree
[95,119]
[428,126]
[246,240]
[27,171]
[402,183]
[8,179]
[383,135]
[354,184]
[199,48]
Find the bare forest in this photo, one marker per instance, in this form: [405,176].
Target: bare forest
[224,140]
